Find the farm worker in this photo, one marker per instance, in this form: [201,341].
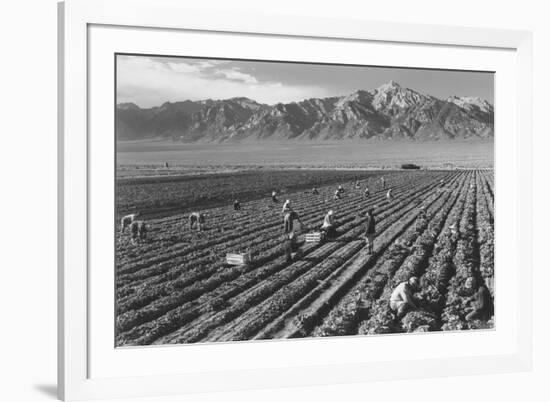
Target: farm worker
[286,207]
[383,182]
[314,191]
[291,246]
[389,195]
[142,230]
[421,217]
[329,226]
[127,220]
[366,193]
[274,196]
[357,184]
[196,219]
[481,307]
[134,231]
[236,205]
[341,189]
[370,230]
[165,164]
[402,300]
[336,195]
[288,221]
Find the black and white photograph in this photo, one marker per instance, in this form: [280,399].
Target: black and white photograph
[267,200]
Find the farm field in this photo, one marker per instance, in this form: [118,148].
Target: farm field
[165,195]
[176,288]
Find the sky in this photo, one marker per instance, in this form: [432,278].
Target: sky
[150,81]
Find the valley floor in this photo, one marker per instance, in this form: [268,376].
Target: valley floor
[141,158]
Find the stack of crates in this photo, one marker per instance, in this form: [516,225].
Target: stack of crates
[314,237]
[238,258]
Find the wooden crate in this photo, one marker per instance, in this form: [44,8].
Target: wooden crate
[238,258]
[314,237]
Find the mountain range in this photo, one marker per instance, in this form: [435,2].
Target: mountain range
[390,112]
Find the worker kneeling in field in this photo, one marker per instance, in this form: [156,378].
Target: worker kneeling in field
[482,307]
[370,230]
[196,219]
[402,299]
[127,220]
[236,205]
[329,226]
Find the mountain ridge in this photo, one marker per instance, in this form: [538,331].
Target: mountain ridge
[389,112]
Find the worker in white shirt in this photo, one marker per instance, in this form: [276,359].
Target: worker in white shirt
[402,299]
[329,225]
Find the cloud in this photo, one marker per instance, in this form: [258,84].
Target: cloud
[150,82]
[235,75]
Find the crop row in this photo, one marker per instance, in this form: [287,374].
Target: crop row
[310,308]
[466,262]
[224,219]
[380,319]
[355,306]
[197,268]
[248,323]
[179,316]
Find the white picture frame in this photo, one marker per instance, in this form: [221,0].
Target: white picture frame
[76,19]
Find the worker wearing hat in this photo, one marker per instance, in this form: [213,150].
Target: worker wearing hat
[402,299]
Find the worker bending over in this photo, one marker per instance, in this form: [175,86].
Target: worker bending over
[196,219]
[389,195]
[402,299]
[289,219]
[138,231]
[127,220]
[142,230]
[366,193]
[274,196]
[338,193]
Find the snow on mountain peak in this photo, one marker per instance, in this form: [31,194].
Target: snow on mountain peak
[469,102]
[392,94]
